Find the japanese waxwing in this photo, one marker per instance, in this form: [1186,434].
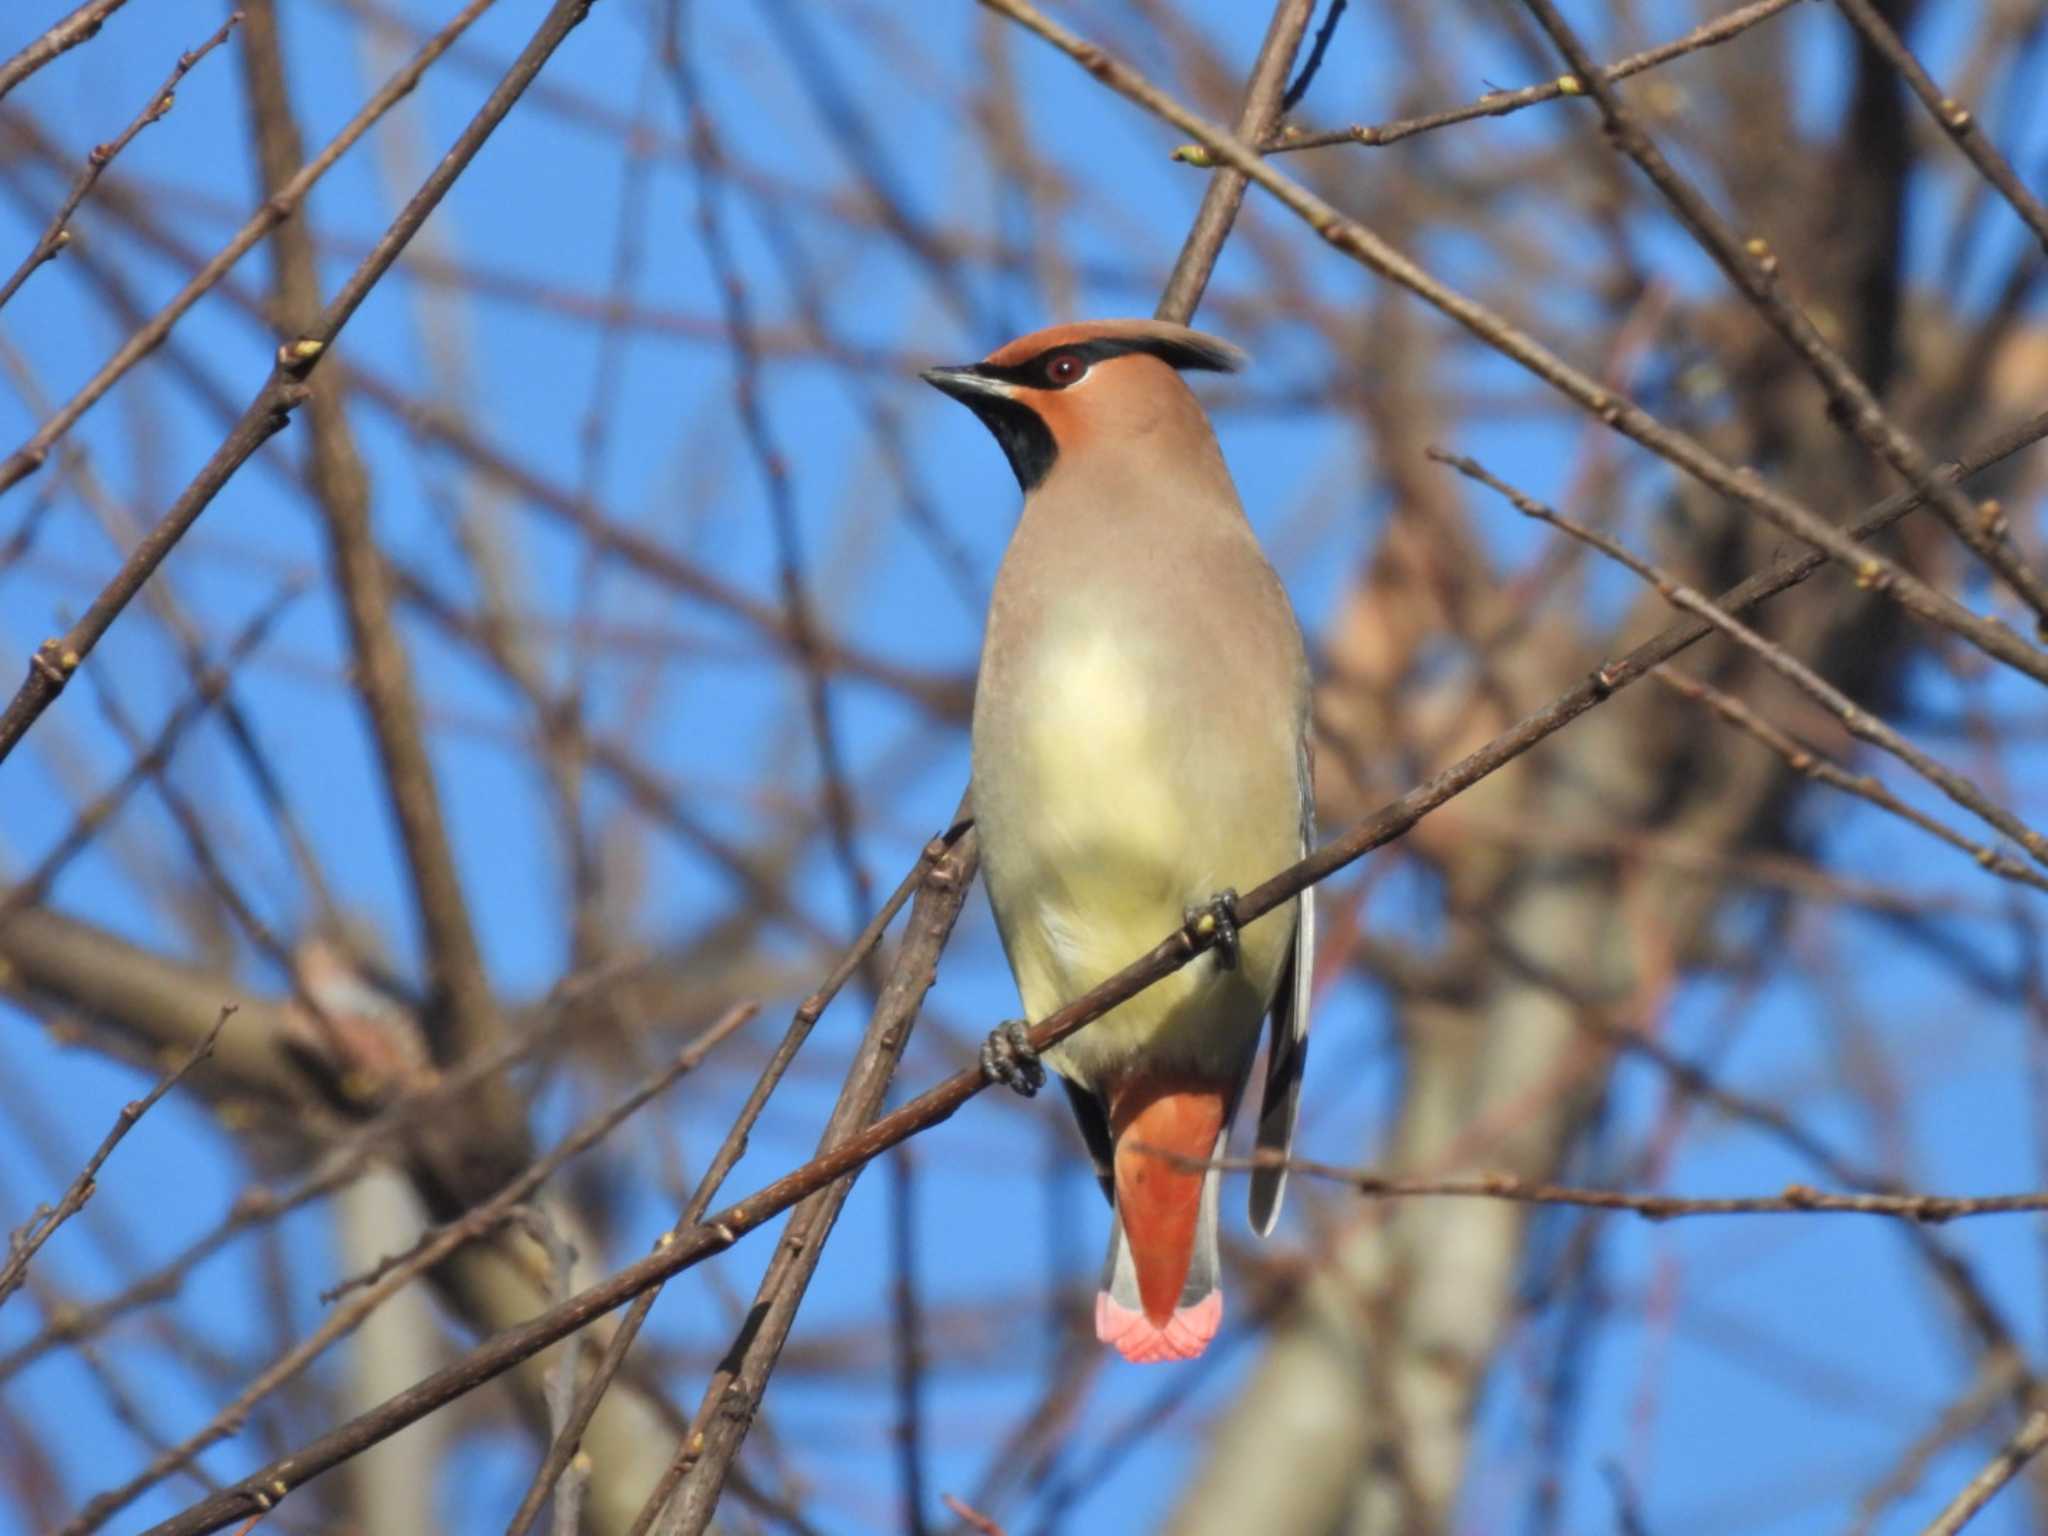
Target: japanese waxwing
[1140,752]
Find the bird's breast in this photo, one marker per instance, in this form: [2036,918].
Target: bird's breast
[1112,794]
[1091,762]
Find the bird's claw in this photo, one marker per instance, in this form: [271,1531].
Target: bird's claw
[1218,917]
[1007,1058]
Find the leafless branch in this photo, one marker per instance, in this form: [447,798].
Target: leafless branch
[23,1245]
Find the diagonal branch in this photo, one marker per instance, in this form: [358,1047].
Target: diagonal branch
[1753,268]
[283,392]
[1503,103]
[1856,720]
[67,33]
[1687,453]
[1225,195]
[43,1226]
[570,1434]
[261,1490]
[29,457]
[2000,1470]
[382,670]
[56,235]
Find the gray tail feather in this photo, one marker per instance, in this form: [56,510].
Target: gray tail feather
[1286,1057]
[1205,1266]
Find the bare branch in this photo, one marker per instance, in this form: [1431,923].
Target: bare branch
[55,661]
[1872,569]
[62,36]
[58,234]
[22,1246]
[1999,1471]
[1793,1200]
[938,1104]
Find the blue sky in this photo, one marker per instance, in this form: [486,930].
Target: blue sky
[1749,1377]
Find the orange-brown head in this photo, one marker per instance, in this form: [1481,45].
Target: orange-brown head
[1057,392]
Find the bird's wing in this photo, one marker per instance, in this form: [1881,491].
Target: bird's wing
[1094,1122]
[1287,1046]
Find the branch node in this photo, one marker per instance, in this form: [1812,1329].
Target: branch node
[53,663]
[298,357]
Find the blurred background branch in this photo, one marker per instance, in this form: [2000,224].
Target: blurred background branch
[488,699]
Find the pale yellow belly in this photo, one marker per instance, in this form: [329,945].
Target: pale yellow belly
[1106,812]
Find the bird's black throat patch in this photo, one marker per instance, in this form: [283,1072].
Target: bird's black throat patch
[1024,437]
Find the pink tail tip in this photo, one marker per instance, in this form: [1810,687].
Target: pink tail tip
[1141,1341]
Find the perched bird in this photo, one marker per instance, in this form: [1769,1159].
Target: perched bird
[1140,752]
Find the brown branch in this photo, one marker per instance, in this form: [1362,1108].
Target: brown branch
[974,1518]
[1955,119]
[690,1487]
[29,457]
[1859,722]
[381,670]
[730,1150]
[23,1245]
[80,26]
[1225,193]
[1793,1200]
[55,661]
[938,1104]
[1502,103]
[56,235]
[1753,267]
[433,1247]
[1999,1471]
[1687,453]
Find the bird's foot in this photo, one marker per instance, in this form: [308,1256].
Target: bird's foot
[1007,1058]
[1217,918]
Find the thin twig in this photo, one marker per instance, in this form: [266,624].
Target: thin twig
[1685,452]
[1955,119]
[974,1517]
[1502,103]
[1999,1471]
[938,1104]
[208,687]
[62,36]
[1802,759]
[1753,267]
[1793,1200]
[1855,719]
[57,234]
[1291,98]
[24,1245]
[54,662]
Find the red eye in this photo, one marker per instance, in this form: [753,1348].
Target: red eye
[1064,368]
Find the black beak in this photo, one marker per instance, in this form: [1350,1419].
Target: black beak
[1019,430]
[967,384]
